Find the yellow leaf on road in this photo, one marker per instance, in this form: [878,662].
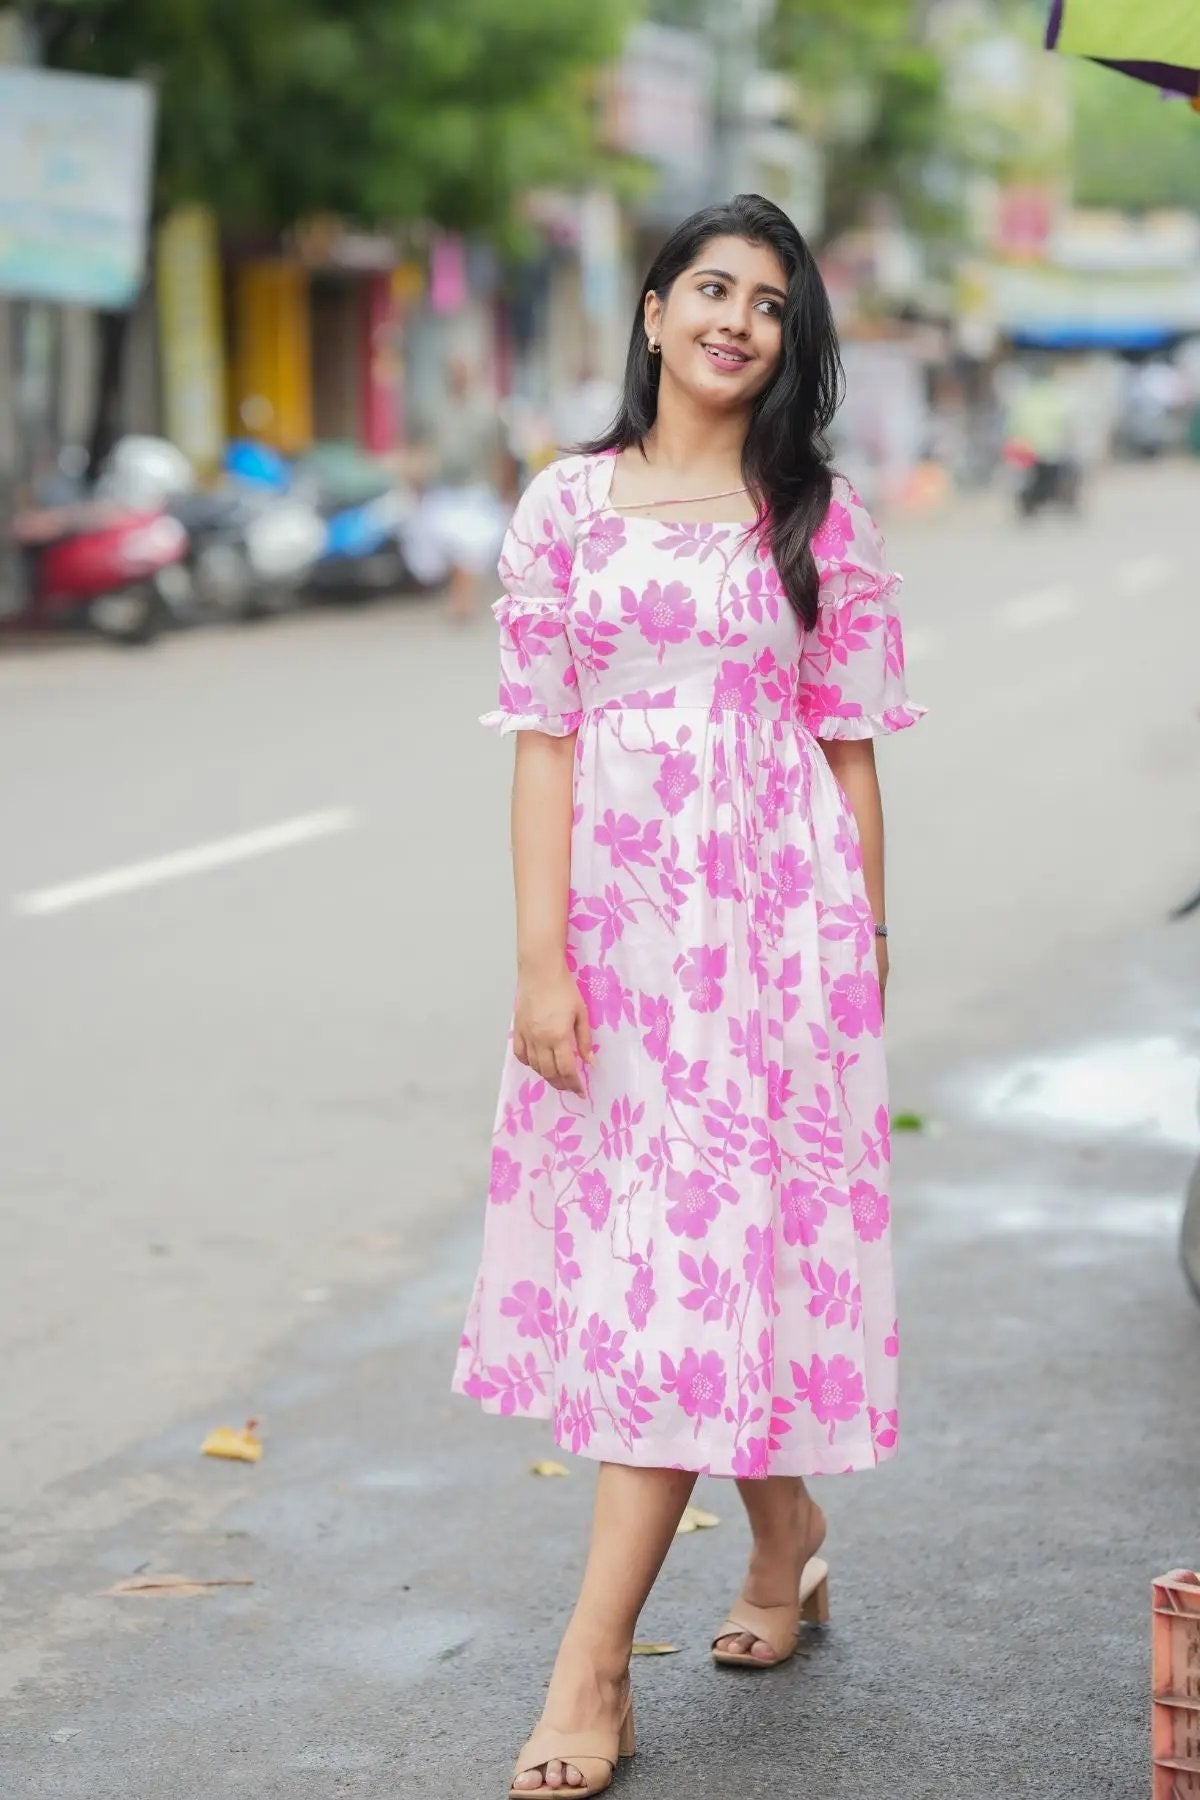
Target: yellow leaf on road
[175,1586]
[696,1519]
[239,1446]
[655,1649]
[547,1468]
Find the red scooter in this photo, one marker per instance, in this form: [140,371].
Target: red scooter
[120,572]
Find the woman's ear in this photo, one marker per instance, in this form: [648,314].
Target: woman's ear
[652,318]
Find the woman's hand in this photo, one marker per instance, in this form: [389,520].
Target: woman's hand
[551,1033]
[881,963]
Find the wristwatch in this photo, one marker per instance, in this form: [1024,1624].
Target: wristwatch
[881,931]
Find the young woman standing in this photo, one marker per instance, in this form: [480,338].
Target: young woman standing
[686,1260]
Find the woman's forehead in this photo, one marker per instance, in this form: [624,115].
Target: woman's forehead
[746,262]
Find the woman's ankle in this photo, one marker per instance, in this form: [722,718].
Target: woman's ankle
[605,1652]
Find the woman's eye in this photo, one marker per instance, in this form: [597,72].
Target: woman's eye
[774,310]
[712,287]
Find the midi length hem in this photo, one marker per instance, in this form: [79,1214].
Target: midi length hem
[689,1266]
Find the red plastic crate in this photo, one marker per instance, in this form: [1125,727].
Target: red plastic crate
[1175,1686]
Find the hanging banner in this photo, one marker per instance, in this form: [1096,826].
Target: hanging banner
[75,159]
[190,333]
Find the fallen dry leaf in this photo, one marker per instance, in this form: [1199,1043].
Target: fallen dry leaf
[548,1468]
[239,1446]
[655,1649]
[696,1519]
[175,1586]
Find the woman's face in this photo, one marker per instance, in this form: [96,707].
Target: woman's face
[720,331]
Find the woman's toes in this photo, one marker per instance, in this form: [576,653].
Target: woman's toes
[762,1651]
[530,1782]
[554,1774]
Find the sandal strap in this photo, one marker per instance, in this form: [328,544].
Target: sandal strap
[577,1747]
[774,1625]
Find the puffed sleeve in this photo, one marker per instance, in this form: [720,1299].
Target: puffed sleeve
[539,686]
[852,663]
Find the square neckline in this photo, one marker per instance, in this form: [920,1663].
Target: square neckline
[605,506]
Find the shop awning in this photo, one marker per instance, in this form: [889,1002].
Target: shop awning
[1156,41]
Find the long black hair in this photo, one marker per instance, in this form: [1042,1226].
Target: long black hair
[785,462]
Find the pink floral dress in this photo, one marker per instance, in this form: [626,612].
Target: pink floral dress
[689,1267]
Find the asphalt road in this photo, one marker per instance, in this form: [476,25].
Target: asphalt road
[255,932]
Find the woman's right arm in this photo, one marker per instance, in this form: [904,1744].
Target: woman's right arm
[551,1032]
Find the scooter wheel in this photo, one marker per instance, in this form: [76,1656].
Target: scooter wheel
[133,616]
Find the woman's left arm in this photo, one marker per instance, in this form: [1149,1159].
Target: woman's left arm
[853,763]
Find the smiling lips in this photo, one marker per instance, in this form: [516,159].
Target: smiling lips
[725,356]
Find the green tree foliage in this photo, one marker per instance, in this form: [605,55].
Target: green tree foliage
[874,96]
[1132,149]
[379,110]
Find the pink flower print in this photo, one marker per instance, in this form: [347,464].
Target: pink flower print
[870,1211]
[595,1197]
[701,978]
[835,534]
[677,779]
[602,993]
[833,1389]
[560,560]
[823,700]
[793,876]
[854,1003]
[640,1296]
[758,1264]
[505,1177]
[601,1346]
[736,689]
[804,1212]
[629,841]
[694,1205]
[750,1460]
[717,864]
[655,1013]
[698,1384]
[884,1428]
[847,845]
[533,1309]
[604,537]
[663,615]
[891,1343]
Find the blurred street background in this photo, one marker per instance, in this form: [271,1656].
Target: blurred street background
[294,298]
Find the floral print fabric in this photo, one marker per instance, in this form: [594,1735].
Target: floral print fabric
[689,1266]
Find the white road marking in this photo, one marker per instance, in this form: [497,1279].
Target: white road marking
[218,854]
[1043,606]
[1143,575]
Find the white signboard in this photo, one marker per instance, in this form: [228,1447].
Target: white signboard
[75,158]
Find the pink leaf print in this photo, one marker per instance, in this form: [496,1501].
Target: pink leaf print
[758,1264]
[710,1294]
[532,1307]
[836,1296]
[629,842]
[601,1346]
[891,1343]
[884,1428]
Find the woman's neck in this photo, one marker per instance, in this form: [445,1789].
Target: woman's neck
[688,439]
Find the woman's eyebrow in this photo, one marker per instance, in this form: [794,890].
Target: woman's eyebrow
[762,287]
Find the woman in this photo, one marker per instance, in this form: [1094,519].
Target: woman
[686,1258]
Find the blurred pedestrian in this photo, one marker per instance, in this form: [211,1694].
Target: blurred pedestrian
[686,1259]
[461,508]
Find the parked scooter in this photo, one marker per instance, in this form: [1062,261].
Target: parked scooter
[118,571]
[376,541]
[251,546]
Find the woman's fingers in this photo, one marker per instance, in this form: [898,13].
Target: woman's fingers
[583,1032]
[520,1050]
[566,1067]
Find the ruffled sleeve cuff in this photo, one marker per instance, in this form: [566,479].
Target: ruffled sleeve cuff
[848,725]
[551,724]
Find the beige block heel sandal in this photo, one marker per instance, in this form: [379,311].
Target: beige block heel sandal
[593,1753]
[776,1625]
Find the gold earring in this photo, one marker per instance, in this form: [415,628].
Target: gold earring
[653,347]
